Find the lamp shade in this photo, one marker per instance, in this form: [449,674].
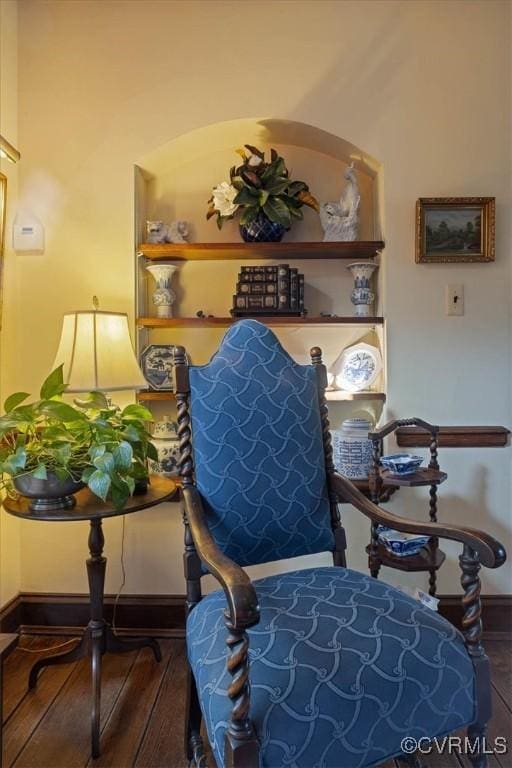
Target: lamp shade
[97,353]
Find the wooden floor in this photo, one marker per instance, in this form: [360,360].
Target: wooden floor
[142,710]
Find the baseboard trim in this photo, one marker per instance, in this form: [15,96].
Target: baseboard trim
[164,615]
[496,612]
[10,615]
[58,613]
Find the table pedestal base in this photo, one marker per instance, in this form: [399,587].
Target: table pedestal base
[98,637]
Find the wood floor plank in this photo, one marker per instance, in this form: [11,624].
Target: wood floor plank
[465,762]
[500,655]
[437,760]
[63,736]
[17,667]
[433,760]
[162,745]
[143,711]
[15,676]
[500,726]
[32,708]
[129,717]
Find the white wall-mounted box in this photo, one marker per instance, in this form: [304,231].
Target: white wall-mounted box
[28,235]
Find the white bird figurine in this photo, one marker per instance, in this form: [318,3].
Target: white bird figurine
[340,221]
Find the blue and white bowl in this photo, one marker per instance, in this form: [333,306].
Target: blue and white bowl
[401,544]
[401,464]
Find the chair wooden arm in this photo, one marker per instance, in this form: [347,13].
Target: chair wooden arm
[490,552]
[240,593]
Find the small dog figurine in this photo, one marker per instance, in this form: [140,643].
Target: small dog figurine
[158,232]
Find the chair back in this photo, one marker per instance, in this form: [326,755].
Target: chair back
[258,450]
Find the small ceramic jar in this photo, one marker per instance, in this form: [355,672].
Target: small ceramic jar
[165,439]
[352,450]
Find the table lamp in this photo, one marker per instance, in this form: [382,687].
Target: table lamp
[97,353]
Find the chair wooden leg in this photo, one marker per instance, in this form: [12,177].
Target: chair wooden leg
[472,630]
[411,761]
[241,754]
[241,747]
[193,742]
[477,732]
[477,738]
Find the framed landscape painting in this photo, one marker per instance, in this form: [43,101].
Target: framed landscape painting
[455,229]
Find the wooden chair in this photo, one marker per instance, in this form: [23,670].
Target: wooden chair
[314,667]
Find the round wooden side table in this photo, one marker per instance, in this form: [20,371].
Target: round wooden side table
[98,637]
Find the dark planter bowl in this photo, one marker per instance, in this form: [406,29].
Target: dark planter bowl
[48,495]
[262,230]
[141,487]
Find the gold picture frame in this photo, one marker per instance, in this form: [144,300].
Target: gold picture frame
[455,229]
[3,206]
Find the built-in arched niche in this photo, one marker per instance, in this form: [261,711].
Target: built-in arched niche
[175,181]
[180,175]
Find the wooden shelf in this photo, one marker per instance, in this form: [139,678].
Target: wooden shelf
[360,249]
[151,394]
[423,561]
[423,476]
[454,437]
[337,396]
[205,322]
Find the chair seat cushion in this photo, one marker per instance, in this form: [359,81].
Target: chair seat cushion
[343,667]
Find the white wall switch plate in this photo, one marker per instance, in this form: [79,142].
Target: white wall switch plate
[454,299]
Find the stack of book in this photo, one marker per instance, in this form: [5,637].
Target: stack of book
[270,290]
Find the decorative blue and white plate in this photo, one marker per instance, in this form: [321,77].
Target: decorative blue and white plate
[157,363]
[359,367]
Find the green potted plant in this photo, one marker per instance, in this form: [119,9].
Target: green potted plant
[50,449]
[264,194]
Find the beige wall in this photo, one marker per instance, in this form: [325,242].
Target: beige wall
[10,553]
[423,87]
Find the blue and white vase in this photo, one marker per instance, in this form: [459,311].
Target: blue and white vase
[163,295]
[362,296]
[352,450]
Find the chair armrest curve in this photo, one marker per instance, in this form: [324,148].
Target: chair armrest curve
[240,593]
[490,552]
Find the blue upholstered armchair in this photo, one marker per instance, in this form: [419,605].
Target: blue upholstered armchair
[326,666]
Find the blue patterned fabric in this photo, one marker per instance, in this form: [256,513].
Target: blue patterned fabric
[342,668]
[258,451]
